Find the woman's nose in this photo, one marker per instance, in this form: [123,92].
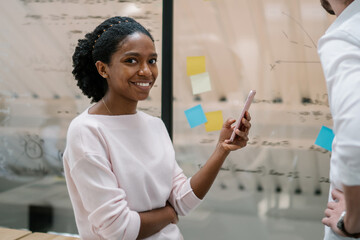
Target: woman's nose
[145,70]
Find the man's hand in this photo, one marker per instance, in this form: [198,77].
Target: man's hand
[334,210]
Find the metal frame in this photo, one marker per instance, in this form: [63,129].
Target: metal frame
[167,66]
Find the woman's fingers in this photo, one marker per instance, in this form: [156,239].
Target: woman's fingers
[228,123]
[247,116]
[246,125]
[242,135]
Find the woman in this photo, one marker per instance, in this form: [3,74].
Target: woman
[120,167]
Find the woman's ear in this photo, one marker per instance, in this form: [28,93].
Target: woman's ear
[101,68]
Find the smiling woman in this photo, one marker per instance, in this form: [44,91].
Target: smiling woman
[130,74]
[119,163]
[124,53]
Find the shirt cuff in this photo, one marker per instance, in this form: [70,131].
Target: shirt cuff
[132,229]
[349,177]
[190,199]
[134,226]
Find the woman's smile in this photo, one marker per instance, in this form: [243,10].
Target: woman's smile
[143,85]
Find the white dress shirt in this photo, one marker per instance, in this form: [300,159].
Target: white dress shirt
[339,51]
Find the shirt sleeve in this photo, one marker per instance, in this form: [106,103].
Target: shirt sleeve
[340,56]
[182,197]
[109,214]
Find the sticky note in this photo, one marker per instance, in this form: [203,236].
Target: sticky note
[325,138]
[215,121]
[200,83]
[195,116]
[195,65]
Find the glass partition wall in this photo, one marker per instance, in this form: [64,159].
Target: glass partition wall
[39,98]
[277,187]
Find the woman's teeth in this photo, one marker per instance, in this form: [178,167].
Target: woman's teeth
[143,84]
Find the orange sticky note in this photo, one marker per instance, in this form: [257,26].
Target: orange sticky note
[215,121]
[195,65]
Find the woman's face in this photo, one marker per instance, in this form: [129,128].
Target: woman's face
[133,69]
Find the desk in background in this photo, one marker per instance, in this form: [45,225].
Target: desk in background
[14,234]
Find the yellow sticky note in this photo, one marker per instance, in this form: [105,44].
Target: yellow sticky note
[195,65]
[200,83]
[215,121]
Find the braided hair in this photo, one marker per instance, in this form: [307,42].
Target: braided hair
[100,45]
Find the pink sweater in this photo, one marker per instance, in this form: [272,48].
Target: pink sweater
[118,166]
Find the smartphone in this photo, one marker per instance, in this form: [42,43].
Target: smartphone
[246,108]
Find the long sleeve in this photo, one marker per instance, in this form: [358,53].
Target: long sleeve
[109,214]
[182,197]
[101,205]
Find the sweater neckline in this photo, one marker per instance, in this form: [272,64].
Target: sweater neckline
[111,116]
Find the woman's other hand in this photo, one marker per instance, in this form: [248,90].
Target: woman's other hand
[173,213]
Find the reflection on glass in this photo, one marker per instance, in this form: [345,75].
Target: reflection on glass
[277,187]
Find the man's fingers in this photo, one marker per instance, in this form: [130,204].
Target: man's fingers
[331,205]
[328,212]
[325,221]
[336,194]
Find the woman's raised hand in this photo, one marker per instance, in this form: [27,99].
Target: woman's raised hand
[241,138]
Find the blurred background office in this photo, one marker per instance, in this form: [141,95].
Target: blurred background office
[276,188]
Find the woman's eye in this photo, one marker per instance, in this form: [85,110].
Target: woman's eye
[130,60]
[153,61]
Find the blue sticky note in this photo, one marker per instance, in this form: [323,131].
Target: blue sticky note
[195,116]
[325,138]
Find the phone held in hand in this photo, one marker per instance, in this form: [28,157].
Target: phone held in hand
[246,108]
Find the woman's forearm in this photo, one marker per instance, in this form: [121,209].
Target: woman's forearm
[155,220]
[204,178]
